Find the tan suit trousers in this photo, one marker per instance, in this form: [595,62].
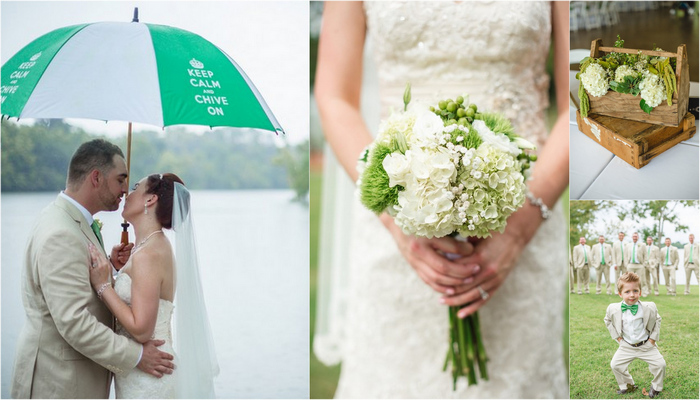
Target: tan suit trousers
[648,353]
[670,278]
[584,276]
[652,274]
[688,271]
[603,272]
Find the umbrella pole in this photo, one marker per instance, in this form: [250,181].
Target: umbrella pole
[125,225]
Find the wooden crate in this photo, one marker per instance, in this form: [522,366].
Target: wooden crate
[633,141]
[626,106]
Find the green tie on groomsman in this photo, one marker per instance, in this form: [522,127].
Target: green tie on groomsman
[619,263]
[601,254]
[652,266]
[637,261]
[690,261]
[582,265]
[669,265]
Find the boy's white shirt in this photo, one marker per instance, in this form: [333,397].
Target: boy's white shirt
[650,318]
[633,325]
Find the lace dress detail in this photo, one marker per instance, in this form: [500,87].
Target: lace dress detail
[396,330]
[134,383]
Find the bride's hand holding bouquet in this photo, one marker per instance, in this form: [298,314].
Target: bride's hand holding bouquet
[445,171]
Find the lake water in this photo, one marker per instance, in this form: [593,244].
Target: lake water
[253,248]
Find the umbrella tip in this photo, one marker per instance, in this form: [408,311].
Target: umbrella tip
[136,15]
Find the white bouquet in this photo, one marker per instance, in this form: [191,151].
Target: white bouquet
[447,170]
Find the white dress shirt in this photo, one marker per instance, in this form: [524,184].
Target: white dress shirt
[633,325]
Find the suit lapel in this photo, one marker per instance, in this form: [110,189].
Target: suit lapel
[617,319]
[79,219]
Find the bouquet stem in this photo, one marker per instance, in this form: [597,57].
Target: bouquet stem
[466,350]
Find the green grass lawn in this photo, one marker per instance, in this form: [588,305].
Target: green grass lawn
[591,348]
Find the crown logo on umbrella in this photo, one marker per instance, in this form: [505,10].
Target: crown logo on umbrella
[35,56]
[196,64]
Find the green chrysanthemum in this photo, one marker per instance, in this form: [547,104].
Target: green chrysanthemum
[498,124]
[375,192]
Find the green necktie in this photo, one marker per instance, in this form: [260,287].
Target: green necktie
[602,254]
[668,249]
[633,308]
[691,253]
[622,251]
[96,229]
[634,247]
[585,256]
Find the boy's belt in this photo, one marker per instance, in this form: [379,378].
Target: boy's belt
[638,344]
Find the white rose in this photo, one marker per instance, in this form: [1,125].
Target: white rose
[396,166]
[496,140]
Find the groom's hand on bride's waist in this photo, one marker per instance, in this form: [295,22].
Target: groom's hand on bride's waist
[154,361]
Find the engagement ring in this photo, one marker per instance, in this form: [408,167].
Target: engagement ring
[484,294]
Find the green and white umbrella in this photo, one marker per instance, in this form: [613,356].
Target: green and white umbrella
[134,72]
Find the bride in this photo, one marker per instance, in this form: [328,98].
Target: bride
[396,333]
[143,295]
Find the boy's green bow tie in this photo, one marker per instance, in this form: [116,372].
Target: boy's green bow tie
[633,308]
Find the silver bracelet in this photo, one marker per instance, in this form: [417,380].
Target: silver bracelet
[102,289]
[537,202]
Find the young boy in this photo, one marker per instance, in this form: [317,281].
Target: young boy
[635,326]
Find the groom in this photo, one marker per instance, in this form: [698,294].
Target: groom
[67,347]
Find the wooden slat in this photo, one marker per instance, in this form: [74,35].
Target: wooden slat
[634,51]
[635,142]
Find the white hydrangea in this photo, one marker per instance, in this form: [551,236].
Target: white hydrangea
[622,71]
[398,124]
[446,187]
[652,89]
[594,80]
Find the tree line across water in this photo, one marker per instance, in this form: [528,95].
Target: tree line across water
[35,157]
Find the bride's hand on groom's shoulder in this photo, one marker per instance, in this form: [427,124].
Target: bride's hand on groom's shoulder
[120,255]
[427,257]
[100,268]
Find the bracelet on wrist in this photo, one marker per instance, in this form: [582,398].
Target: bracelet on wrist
[102,289]
[537,202]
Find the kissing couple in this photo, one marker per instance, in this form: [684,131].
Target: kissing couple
[71,344]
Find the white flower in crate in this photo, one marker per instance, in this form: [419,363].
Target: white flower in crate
[653,91]
[594,80]
[622,71]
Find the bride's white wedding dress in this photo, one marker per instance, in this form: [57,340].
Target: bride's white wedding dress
[396,330]
[134,383]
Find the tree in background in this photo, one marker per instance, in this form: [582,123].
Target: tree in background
[35,157]
[295,159]
[662,211]
[582,214]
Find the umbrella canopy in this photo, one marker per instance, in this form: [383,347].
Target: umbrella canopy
[134,72]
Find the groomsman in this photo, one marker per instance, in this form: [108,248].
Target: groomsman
[582,263]
[652,269]
[636,260]
[669,265]
[619,260]
[601,255]
[690,261]
[572,273]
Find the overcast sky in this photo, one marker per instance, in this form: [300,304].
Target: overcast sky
[269,40]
